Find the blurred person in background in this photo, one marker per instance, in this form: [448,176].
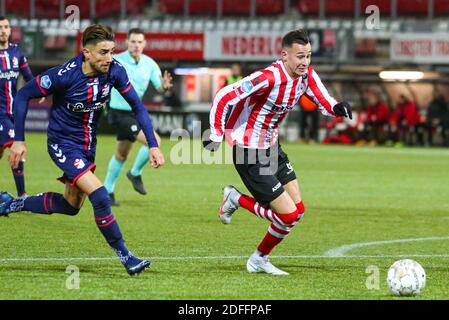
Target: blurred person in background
[236,74]
[405,118]
[437,119]
[141,70]
[309,121]
[377,119]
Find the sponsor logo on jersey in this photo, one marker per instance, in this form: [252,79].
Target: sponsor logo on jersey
[15,62]
[277,186]
[256,80]
[247,86]
[105,90]
[81,107]
[290,168]
[45,82]
[8,75]
[79,164]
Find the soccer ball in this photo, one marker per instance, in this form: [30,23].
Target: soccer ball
[406,278]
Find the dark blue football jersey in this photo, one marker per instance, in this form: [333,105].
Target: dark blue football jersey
[78,100]
[12,64]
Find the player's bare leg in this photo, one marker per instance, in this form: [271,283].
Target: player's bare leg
[142,158]
[98,195]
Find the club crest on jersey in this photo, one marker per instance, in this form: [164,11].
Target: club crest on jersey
[247,86]
[105,90]
[94,82]
[79,164]
[45,82]
[15,62]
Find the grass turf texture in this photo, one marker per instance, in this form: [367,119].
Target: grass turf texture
[352,195]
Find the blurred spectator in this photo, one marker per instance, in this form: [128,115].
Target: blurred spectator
[343,130]
[377,120]
[309,121]
[437,119]
[236,74]
[405,118]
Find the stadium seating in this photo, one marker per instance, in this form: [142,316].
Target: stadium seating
[333,8]
[51,8]
[441,8]
[347,8]
[230,7]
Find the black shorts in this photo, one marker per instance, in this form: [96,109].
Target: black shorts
[264,172]
[125,124]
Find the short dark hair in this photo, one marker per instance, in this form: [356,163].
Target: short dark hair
[135,31]
[299,36]
[3,18]
[97,33]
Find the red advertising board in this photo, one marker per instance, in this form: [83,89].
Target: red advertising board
[165,46]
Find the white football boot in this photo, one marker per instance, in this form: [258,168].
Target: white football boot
[258,264]
[230,203]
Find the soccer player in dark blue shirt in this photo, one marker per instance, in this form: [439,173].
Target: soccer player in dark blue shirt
[81,88]
[12,64]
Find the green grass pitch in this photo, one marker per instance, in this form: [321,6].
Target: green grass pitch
[352,195]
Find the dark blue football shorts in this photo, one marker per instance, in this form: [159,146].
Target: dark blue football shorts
[6,131]
[73,161]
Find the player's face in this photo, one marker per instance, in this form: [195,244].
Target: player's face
[100,56]
[297,59]
[136,44]
[5,31]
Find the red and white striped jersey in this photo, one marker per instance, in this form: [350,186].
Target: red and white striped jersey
[249,111]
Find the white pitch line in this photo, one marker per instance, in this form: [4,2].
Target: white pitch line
[341,251]
[227,257]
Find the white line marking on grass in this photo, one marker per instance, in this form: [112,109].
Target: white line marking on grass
[341,251]
[224,257]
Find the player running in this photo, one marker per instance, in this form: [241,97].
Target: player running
[81,88]
[12,63]
[141,70]
[248,113]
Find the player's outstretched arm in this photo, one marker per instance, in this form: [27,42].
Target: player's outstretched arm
[29,91]
[343,109]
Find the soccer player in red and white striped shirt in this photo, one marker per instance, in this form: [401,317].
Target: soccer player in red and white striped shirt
[248,113]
